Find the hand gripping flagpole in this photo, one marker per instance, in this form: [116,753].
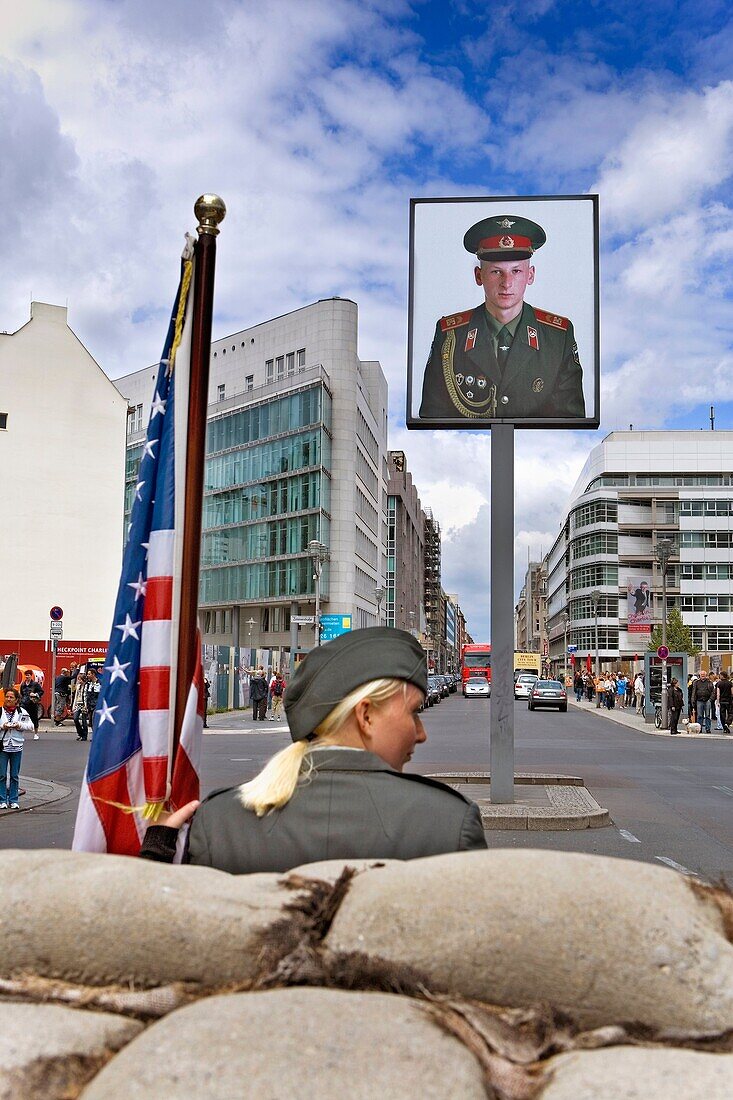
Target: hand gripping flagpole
[210,211]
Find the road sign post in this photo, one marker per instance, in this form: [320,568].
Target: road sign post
[501,751]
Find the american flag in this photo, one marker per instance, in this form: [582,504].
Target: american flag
[130,769]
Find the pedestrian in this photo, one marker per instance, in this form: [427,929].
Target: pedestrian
[715,680]
[621,691]
[578,686]
[339,791]
[258,696]
[207,696]
[639,692]
[15,722]
[91,696]
[590,687]
[79,707]
[675,699]
[703,694]
[600,685]
[30,696]
[277,691]
[725,689]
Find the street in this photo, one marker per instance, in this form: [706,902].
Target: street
[671,800]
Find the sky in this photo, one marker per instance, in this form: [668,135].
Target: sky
[317,121]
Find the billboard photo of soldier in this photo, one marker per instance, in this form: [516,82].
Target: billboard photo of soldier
[527,352]
[639,607]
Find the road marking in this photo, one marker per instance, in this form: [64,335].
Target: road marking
[219,731]
[676,866]
[629,836]
[725,790]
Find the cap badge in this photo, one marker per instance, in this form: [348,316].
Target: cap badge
[471,340]
[538,385]
[533,338]
[505,223]
[506,242]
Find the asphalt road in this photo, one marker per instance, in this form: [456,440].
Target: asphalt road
[671,800]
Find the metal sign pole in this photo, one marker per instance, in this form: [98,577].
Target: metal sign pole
[502,613]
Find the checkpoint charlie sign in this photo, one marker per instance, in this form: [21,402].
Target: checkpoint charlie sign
[503,323]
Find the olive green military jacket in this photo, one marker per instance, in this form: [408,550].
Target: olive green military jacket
[353,806]
[542,376]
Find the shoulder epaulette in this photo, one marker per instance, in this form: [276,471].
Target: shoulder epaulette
[434,783]
[454,320]
[553,319]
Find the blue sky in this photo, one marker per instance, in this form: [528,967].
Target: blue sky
[317,120]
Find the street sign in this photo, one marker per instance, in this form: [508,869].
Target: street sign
[56,613]
[57,630]
[303,620]
[572,649]
[663,653]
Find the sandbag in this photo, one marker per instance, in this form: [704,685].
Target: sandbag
[639,1073]
[609,940]
[101,919]
[294,1043]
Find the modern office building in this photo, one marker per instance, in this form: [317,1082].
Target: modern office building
[405,548]
[530,613]
[603,570]
[296,454]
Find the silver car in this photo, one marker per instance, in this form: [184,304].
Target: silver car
[523,685]
[477,686]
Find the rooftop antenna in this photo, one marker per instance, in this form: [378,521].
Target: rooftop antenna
[712,418]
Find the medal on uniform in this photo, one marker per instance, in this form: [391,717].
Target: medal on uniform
[471,340]
[533,338]
[538,385]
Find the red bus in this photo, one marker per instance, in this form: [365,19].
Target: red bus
[475,661]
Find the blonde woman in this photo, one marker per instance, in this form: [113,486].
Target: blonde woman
[338,792]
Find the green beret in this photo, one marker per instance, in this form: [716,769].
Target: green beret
[504,237]
[331,671]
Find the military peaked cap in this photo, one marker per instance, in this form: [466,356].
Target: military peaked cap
[331,671]
[504,237]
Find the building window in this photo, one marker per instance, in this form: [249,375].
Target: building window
[269,369]
[220,392]
[290,357]
[3,421]
[249,382]
[280,366]
[301,359]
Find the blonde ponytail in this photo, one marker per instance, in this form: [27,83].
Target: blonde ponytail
[276,783]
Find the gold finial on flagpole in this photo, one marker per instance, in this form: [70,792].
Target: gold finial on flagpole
[210,210]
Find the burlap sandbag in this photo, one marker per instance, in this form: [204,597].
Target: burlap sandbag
[638,1073]
[50,1052]
[100,919]
[607,939]
[294,1043]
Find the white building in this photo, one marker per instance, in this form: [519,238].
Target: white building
[62,453]
[296,452]
[635,488]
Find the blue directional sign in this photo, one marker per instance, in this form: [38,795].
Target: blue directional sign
[572,649]
[333,625]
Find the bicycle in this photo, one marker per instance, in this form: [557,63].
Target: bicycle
[658,715]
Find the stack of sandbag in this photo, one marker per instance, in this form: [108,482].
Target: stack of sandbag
[509,974]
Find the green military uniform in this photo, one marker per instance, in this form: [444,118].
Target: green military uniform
[542,375]
[482,368]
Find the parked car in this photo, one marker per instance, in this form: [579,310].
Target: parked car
[452,683]
[434,694]
[547,693]
[477,686]
[523,685]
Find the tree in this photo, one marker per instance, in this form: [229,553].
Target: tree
[679,638]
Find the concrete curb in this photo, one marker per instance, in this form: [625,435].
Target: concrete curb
[571,806]
[38,792]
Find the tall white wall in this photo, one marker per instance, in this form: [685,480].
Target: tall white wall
[63,461]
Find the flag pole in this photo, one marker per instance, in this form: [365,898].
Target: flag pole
[210,211]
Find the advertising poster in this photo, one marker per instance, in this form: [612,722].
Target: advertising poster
[639,605]
[503,323]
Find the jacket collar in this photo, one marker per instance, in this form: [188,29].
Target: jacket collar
[349,760]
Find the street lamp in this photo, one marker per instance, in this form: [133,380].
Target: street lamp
[664,552]
[250,624]
[378,597]
[318,555]
[705,635]
[595,599]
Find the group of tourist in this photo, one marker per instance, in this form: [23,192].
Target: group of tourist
[612,689]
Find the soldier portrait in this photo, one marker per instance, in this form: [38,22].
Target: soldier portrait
[514,355]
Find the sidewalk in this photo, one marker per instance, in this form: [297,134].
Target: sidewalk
[632,720]
[38,792]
